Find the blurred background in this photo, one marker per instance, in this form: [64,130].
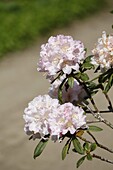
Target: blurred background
[23,21]
[24,26]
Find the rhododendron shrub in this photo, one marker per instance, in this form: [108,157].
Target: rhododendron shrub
[63,112]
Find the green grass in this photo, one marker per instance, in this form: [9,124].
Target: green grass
[23,21]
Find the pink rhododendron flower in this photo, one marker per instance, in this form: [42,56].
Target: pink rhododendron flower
[103,52]
[37,113]
[61,53]
[45,116]
[68,118]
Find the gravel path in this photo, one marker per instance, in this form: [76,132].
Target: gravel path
[20,83]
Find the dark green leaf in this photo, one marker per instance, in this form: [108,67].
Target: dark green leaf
[86,146]
[89,157]
[77,75]
[93,147]
[80,161]
[77,146]
[60,91]
[109,84]
[93,87]
[87,63]
[88,59]
[71,81]
[105,76]
[88,66]
[65,150]
[95,128]
[97,69]
[40,147]
[60,95]
[84,77]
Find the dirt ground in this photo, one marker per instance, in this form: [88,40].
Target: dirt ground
[20,82]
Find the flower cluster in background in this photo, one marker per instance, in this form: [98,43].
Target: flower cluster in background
[73,94]
[103,52]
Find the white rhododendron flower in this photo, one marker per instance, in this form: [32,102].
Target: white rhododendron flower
[61,53]
[37,113]
[103,52]
[45,116]
[74,94]
[68,118]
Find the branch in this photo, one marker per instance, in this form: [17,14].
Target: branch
[102,159]
[100,145]
[109,101]
[98,116]
[89,95]
[93,121]
[101,111]
[107,98]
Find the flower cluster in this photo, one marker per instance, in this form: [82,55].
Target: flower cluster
[103,52]
[63,111]
[61,53]
[73,94]
[37,113]
[44,116]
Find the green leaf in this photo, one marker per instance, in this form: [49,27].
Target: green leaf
[87,63]
[93,147]
[93,87]
[71,81]
[88,59]
[88,66]
[105,76]
[40,147]
[89,157]
[77,146]
[80,161]
[60,91]
[109,84]
[60,95]
[95,128]
[86,147]
[65,150]
[84,77]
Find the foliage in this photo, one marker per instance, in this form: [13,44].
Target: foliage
[22,22]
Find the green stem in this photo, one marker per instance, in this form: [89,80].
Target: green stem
[60,91]
[57,77]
